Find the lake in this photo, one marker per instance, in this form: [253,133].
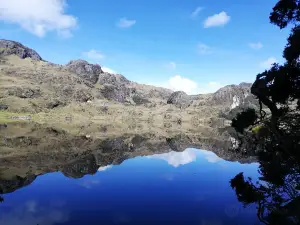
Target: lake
[188,187]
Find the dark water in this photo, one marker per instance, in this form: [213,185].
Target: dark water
[189,187]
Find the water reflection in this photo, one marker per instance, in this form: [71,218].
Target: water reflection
[51,177]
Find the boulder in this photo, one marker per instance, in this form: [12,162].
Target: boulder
[180,99]
[85,70]
[15,48]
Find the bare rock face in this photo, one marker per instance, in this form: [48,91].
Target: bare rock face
[24,92]
[180,99]
[118,93]
[15,48]
[113,79]
[234,96]
[83,69]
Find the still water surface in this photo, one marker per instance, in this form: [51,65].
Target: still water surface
[189,187]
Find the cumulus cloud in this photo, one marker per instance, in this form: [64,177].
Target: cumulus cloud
[203,49]
[39,17]
[108,70]
[219,19]
[176,158]
[93,54]
[178,83]
[196,12]
[267,64]
[256,46]
[125,23]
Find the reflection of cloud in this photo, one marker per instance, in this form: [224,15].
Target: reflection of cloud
[89,183]
[211,157]
[31,206]
[32,213]
[176,158]
[103,168]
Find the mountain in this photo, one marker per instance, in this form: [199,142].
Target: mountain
[29,84]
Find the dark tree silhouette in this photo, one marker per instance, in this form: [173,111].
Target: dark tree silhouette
[277,139]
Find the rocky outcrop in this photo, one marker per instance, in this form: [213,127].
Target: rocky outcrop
[15,48]
[117,93]
[85,70]
[231,95]
[180,99]
[24,92]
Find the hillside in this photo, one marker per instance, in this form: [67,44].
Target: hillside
[83,92]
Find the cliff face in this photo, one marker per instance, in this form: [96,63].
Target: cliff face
[30,84]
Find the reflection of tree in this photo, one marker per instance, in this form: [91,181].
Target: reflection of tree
[275,137]
[1,199]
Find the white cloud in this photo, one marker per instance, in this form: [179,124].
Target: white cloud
[178,83]
[125,23]
[38,17]
[256,46]
[196,12]
[203,49]
[108,70]
[93,54]
[268,63]
[172,65]
[103,168]
[176,158]
[219,19]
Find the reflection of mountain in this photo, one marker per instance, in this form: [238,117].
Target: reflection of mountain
[35,150]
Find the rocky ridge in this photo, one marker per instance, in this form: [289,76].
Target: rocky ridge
[30,84]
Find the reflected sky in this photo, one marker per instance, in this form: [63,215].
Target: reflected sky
[190,187]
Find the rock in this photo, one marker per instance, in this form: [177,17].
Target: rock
[113,79]
[117,93]
[14,48]
[82,95]
[234,96]
[86,71]
[24,92]
[54,103]
[180,99]
[3,126]
[3,107]
[139,99]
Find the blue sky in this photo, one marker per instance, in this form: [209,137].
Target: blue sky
[192,45]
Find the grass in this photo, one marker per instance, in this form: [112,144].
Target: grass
[4,117]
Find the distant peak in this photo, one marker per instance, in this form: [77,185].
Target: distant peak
[8,47]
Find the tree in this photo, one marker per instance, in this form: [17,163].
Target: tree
[277,192]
